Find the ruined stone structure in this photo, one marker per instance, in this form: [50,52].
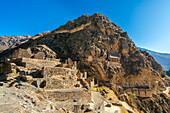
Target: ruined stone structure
[61,82]
[8,68]
[35,63]
[21,53]
[141,92]
[113,57]
[53,74]
[69,94]
[59,77]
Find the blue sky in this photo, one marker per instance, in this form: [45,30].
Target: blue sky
[146,21]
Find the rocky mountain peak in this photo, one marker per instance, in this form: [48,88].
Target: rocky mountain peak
[94,22]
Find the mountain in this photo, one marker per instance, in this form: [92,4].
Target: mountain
[97,51]
[161,58]
[9,41]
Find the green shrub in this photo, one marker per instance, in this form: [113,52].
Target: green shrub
[95,87]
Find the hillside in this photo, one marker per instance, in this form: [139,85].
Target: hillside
[90,65]
[161,58]
[9,41]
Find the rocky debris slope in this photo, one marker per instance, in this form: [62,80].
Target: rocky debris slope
[105,52]
[23,100]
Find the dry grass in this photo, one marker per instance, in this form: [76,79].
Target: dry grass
[123,110]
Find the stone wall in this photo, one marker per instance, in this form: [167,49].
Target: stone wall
[59,77]
[141,92]
[60,83]
[7,68]
[19,53]
[58,71]
[54,82]
[114,60]
[39,55]
[35,63]
[90,81]
[115,64]
[70,94]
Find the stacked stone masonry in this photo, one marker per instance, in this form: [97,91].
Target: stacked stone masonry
[35,63]
[63,95]
[141,92]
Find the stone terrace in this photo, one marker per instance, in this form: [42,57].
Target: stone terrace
[35,63]
[69,94]
[141,92]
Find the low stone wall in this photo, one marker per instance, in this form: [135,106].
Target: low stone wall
[59,71]
[59,83]
[35,63]
[141,92]
[115,64]
[67,94]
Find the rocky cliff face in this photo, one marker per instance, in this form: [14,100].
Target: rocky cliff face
[9,41]
[94,41]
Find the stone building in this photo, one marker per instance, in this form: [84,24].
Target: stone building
[113,57]
[20,53]
[8,68]
[59,77]
[141,92]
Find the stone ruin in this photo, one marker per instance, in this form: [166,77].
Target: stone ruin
[60,81]
[113,57]
[143,92]
[39,68]
[113,62]
[107,68]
